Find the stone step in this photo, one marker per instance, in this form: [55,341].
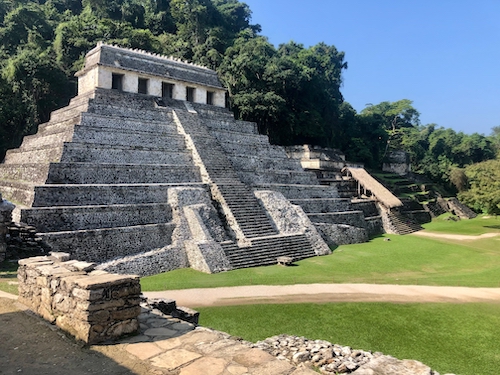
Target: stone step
[17,192]
[126,137]
[125,124]
[209,111]
[224,136]
[84,153]
[259,177]
[258,162]
[43,154]
[57,219]
[40,140]
[323,205]
[90,173]
[265,251]
[368,207]
[234,148]
[92,194]
[232,125]
[292,191]
[353,218]
[77,105]
[131,112]
[403,225]
[58,127]
[132,101]
[35,173]
[255,232]
[99,245]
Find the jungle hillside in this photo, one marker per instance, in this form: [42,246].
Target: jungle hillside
[291,91]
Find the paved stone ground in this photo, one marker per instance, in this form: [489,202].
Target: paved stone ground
[174,346]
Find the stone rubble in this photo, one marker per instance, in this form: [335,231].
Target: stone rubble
[332,359]
[173,346]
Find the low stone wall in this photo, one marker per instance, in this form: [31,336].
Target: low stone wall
[93,306]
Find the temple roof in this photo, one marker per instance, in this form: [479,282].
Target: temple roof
[149,63]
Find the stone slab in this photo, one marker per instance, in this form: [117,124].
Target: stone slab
[174,358]
[143,350]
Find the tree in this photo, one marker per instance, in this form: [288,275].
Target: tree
[34,76]
[484,185]
[23,23]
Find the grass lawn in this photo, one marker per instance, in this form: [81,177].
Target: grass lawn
[8,277]
[450,338]
[402,260]
[480,225]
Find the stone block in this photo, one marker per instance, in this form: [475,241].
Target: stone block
[166,306]
[186,314]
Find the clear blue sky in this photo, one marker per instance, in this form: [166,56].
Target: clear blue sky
[444,55]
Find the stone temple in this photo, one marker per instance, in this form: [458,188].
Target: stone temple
[146,171]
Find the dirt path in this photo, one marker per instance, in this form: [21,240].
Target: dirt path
[29,345]
[461,237]
[321,293]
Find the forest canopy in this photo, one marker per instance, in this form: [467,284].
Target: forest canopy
[293,92]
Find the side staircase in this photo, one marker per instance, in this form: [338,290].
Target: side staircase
[267,167]
[401,224]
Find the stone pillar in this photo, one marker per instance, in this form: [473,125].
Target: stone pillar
[6,209]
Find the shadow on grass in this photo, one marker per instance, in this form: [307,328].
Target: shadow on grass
[492,226]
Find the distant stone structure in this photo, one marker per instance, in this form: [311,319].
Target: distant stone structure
[146,171]
[397,162]
[6,209]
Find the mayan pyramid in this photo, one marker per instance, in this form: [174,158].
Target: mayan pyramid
[146,171]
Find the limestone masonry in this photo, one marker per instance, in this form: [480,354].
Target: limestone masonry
[146,171]
[93,306]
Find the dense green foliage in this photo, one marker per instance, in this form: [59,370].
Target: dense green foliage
[483,181]
[291,91]
[450,338]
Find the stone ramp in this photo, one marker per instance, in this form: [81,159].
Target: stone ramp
[382,194]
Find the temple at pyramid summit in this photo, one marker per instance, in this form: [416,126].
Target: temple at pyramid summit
[147,171]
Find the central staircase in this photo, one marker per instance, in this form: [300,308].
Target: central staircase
[265,243]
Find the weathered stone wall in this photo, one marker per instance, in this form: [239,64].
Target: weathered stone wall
[341,234]
[93,306]
[460,209]
[397,162]
[282,212]
[6,209]
[195,240]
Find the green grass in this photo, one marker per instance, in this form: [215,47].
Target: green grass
[8,277]
[480,225]
[456,338]
[402,260]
